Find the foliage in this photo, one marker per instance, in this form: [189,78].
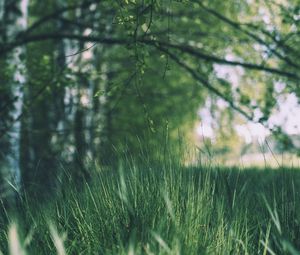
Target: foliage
[102,76]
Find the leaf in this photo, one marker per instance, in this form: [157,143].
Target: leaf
[99,93]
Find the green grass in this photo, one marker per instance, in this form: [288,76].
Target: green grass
[163,209]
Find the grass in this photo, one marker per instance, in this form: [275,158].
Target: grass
[162,209]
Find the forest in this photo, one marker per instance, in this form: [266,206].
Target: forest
[126,127]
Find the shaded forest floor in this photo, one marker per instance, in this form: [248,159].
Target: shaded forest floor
[163,209]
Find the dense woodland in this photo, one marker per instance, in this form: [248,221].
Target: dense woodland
[84,81]
[99,100]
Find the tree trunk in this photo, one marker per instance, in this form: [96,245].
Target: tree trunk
[44,111]
[13,18]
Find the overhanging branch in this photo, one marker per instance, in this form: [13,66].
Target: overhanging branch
[206,84]
[239,27]
[124,41]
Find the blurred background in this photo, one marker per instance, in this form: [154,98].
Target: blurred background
[85,81]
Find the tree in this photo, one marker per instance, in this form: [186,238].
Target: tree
[139,68]
[13,18]
[43,107]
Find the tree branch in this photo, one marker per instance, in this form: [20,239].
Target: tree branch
[123,41]
[205,83]
[56,13]
[211,58]
[238,26]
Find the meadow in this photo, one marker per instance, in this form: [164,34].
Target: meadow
[162,208]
